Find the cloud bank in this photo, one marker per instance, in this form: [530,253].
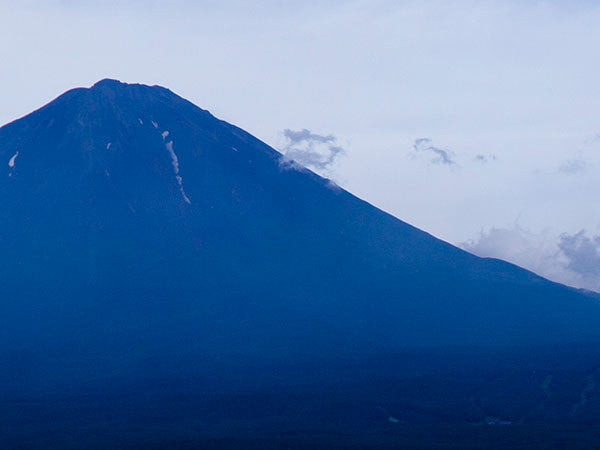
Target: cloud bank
[571,259]
[583,255]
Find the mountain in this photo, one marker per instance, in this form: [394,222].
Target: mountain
[152,251]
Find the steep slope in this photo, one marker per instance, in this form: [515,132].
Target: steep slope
[143,238]
[129,195]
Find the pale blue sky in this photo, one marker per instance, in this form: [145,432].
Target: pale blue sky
[514,81]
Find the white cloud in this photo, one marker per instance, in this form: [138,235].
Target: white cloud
[583,254]
[571,259]
[311,150]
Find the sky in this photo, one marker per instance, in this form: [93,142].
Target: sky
[476,121]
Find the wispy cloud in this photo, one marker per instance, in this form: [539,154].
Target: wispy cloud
[437,155]
[593,139]
[481,158]
[573,166]
[310,150]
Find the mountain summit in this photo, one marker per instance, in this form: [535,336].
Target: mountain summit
[138,229]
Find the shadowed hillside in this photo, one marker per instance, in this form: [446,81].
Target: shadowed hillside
[163,272]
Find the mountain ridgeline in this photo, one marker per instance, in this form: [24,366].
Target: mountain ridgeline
[144,239]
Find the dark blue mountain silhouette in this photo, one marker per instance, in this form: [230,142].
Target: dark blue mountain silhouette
[143,239]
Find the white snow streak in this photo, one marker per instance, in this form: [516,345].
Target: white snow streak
[165,134]
[154,124]
[11,161]
[174,158]
[108,145]
[185,197]
[141,121]
[175,162]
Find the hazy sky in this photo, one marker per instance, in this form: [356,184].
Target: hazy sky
[478,121]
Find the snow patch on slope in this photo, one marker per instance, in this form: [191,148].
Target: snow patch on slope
[11,161]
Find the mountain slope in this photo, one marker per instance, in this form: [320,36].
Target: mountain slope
[137,229]
[123,188]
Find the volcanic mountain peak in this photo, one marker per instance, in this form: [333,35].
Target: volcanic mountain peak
[108,82]
[112,83]
[108,85]
[117,129]
[145,199]
[153,256]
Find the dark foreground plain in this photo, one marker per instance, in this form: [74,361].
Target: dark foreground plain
[457,398]
[170,281]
